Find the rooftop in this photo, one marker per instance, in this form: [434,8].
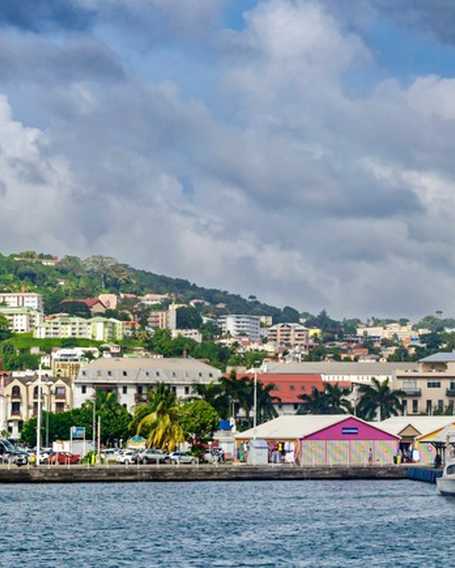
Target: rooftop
[423,424]
[442,357]
[339,368]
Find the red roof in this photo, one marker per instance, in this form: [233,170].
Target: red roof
[290,386]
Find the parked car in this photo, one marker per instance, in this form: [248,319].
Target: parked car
[110,455]
[151,456]
[10,454]
[182,458]
[126,457]
[64,458]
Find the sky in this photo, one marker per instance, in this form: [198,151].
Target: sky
[298,150]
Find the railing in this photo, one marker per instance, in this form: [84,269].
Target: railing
[450,391]
[411,391]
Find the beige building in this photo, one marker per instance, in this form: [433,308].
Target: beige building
[21,320]
[19,399]
[289,335]
[430,387]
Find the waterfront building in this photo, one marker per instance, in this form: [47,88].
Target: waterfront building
[109,300]
[238,325]
[289,335]
[19,399]
[22,300]
[429,386]
[21,320]
[66,362]
[413,428]
[325,440]
[131,378]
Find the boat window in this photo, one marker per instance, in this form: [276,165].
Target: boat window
[450,469]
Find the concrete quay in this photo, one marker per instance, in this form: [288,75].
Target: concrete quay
[169,473]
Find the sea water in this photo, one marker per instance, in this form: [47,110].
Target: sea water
[312,524]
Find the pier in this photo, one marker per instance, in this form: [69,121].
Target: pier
[169,473]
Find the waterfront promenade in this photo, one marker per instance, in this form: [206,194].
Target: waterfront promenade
[166,473]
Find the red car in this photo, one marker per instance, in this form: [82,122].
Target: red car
[64,458]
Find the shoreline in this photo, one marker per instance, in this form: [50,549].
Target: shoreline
[192,473]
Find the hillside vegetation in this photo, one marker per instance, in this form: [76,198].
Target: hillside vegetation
[74,278]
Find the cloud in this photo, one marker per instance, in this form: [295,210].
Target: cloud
[266,173]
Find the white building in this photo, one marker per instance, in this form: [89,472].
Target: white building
[238,325]
[22,300]
[131,378]
[193,334]
[21,320]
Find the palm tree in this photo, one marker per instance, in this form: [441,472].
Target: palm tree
[330,401]
[379,397]
[158,419]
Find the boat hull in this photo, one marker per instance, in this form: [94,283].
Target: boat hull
[446,486]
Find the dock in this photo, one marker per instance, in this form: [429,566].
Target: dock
[187,473]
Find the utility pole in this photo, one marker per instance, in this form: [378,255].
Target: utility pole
[99,438]
[38,422]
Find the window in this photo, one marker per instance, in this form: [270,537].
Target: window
[187,390]
[84,373]
[35,392]
[16,392]
[147,373]
[452,385]
[296,406]
[404,407]
[124,389]
[124,405]
[60,392]
[15,408]
[434,384]
[440,405]
[83,389]
[174,389]
[60,407]
[109,373]
[429,407]
[415,406]
[139,389]
[292,387]
[125,374]
[173,373]
[210,375]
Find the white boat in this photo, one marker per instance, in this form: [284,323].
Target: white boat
[446,483]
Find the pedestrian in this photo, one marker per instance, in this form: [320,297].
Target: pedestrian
[370,457]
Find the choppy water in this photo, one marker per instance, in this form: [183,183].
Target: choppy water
[312,524]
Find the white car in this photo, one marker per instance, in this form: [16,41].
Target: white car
[126,457]
[182,458]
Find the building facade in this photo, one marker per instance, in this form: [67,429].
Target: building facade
[289,335]
[430,386]
[66,326]
[19,399]
[131,378]
[22,300]
[22,320]
[238,325]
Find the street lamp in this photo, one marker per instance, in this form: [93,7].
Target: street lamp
[255,370]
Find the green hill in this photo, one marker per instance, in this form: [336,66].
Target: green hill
[72,277]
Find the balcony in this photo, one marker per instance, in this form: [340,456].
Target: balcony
[411,391]
[450,392]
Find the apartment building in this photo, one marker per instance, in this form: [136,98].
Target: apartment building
[238,325]
[22,300]
[19,399]
[21,320]
[158,320]
[430,386]
[388,331]
[131,378]
[289,335]
[64,325]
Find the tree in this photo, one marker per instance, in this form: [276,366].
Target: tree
[159,420]
[188,318]
[332,400]
[199,420]
[379,398]
[5,332]
[114,417]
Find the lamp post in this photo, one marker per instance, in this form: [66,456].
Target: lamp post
[38,422]
[255,369]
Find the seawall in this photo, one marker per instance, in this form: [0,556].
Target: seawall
[167,473]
